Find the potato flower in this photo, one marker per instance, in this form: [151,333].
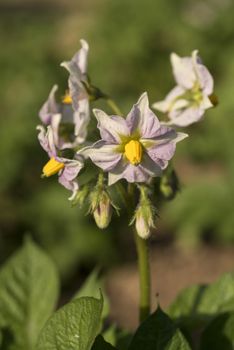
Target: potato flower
[67,169]
[136,148]
[69,119]
[187,102]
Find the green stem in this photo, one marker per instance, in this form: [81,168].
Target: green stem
[113,106]
[144,276]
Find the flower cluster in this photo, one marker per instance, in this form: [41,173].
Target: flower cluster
[133,150]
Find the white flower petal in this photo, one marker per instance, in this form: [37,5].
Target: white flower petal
[186,117]
[50,107]
[46,139]
[128,171]
[78,64]
[162,106]
[103,155]
[82,58]
[172,100]
[111,127]
[183,71]
[142,119]
[81,120]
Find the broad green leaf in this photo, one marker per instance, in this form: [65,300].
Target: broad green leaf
[219,334]
[204,302]
[158,332]
[101,344]
[73,327]
[91,288]
[28,294]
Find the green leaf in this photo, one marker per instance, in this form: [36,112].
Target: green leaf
[73,327]
[158,332]
[28,294]
[101,344]
[91,288]
[219,334]
[204,302]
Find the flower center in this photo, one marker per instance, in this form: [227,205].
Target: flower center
[52,167]
[66,99]
[196,93]
[133,152]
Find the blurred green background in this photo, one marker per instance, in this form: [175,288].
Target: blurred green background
[130,43]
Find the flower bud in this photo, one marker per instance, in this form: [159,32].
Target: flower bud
[142,226]
[145,214]
[102,212]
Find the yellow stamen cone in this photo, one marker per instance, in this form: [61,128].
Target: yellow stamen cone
[67,98]
[133,152]
[52,167]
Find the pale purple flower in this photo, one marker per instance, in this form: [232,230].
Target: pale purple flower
[74,107]
[67,169]
[77,68]
[187,102]
[136,148]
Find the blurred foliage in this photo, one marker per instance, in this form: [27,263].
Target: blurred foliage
[204,313]
[201,317]
[130,43]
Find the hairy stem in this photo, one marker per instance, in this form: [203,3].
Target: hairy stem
[144,276]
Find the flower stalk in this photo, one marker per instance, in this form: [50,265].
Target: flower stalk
[111,103]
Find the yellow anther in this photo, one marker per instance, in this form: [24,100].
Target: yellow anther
[66,99]
[133,152]
[52,167]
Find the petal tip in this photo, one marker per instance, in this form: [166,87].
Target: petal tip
[84,44]
[144,96]
[64,64]
[181,136]
[174,57]
[99,113]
